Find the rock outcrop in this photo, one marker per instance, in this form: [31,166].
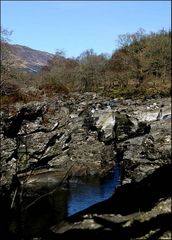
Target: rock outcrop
[53,137]
[85,135]
[141,207]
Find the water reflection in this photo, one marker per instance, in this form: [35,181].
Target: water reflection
[83,195]
[36,219]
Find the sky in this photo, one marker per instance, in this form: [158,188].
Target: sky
[75,26]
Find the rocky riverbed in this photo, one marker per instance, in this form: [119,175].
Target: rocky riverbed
[81,136]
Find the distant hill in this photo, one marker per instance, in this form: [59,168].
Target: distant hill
[29,59]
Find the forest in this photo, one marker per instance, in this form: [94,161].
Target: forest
[140,66]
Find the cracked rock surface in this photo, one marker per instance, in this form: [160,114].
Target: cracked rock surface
[86,135]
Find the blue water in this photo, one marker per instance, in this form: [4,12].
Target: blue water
[82,195]
[64,202]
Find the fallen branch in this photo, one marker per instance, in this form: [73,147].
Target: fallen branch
[15,193]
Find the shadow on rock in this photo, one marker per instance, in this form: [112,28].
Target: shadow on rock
[129,199]
[137,196]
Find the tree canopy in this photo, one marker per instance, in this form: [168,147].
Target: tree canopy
[141,65]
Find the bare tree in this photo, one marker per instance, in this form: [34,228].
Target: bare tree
[6,60]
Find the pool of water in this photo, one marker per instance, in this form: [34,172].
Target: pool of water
[33,221]
[83,195]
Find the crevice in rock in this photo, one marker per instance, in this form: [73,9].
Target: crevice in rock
[53,139]
[43,162]
[13,155]
[68,139]
[13,124]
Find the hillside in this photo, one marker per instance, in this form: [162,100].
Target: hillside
[29,59]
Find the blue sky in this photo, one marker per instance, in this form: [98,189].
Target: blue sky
[79,25]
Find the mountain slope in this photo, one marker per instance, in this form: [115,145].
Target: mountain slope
[29,59]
